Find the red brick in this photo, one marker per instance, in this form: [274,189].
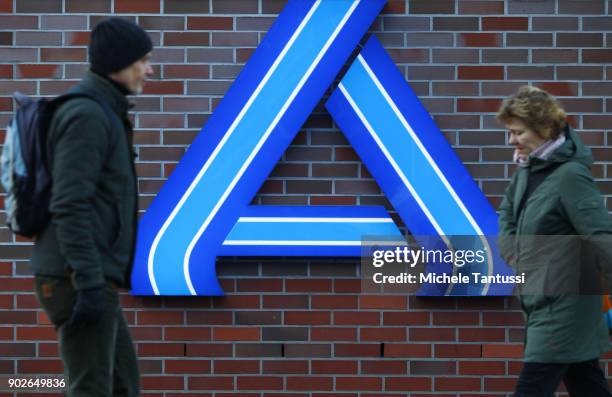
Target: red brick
[436,367]
[146,333]
[187,333]
[502,350]
[285,366]
[18,317]
[81,6]
[431,7]
[382,334]
[359,383]
[36,333]
[307,318]
[431,334]
[334,367]
[383,367]
[356,318]
[310,383]
[394,7]
[234,39]
[409,350]
[26,71]
[259,382]
[163,88]
[237,302]
[382,302]
[161,349]
[357,350]
[347,286]
[210,23]
[160,317]
[187,39]
[186,71]
[18,22]
[478,105]
[77,38]
[210,383]
[275,394]
[6,302]
[27,302]
[479,39]
[209,350]
[456,384]
[481,7]
[555,56]
[286,302]
[482,334]
[333,200]
[596,56]
[6,6]
[500,384]
[260,285]
[39,366]
[184,366]
[407,384]
[333,334]
[406,318]
[6,71]
[63,55]
[236,6]
[6,333]
[560,88]
[308,285]
[581,7]
[334,302]
[235,366]
[457,350]
[137,6]
[505,23]
[236,334]
[35,6]
[482,368]
[16,349]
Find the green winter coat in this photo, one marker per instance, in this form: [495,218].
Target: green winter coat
[93,206]
[547,242]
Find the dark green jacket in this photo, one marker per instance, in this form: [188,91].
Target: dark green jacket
[562,221]
[93,205]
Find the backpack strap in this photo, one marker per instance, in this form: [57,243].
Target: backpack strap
[110,114]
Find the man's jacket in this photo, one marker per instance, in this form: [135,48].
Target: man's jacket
[93,205]
[547,239]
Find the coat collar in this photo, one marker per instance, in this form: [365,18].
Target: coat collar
[109,91]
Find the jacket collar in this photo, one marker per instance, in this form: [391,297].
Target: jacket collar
[109,91]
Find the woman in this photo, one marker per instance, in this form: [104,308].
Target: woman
[551,206]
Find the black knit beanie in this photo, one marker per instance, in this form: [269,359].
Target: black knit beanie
[115,44]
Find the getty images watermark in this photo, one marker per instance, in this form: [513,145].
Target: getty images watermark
[466,264]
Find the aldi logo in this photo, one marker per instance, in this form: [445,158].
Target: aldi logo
[203,210]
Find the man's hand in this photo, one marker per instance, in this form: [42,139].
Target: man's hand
[88,307]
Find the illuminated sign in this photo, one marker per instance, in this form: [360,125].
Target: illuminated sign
[203,210]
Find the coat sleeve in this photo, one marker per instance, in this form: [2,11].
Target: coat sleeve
[584,207]
[79,142]
[507,224]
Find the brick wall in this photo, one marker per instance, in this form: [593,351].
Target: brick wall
[295,326]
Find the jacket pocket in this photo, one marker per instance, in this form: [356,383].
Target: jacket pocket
[56,296]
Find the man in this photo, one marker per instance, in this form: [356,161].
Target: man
[86,251]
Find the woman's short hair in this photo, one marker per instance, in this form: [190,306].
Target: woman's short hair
[535,107]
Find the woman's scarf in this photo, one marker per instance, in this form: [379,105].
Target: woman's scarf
[542,152]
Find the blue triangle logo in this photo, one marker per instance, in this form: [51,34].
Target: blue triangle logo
[203,210]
